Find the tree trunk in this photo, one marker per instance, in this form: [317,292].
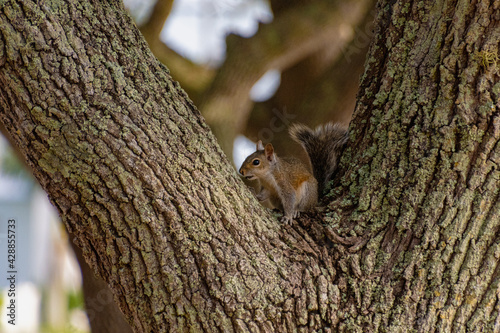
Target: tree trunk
[419,192]
[408,240]
[102,312]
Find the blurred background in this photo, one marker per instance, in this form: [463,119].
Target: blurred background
[251,67]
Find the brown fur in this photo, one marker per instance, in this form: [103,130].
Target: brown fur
[323,146]
[285,183]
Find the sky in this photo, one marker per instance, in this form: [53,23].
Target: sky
[197,29]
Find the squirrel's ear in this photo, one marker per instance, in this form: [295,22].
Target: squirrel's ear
[260,146]
[270,153]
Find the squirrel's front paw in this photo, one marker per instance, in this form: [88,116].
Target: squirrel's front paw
[287,220]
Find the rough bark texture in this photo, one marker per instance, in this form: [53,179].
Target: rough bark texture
[138,178]
[102,311]
[409,240]
[419,197]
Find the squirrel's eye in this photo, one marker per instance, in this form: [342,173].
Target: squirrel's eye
[256,162]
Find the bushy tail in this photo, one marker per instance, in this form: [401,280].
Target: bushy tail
[323,145]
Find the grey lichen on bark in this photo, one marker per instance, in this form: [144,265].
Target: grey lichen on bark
[139,179]
[407,241]
[420,196]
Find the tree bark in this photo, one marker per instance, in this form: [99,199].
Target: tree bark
[419,192]
[136,174]
[408,240]
[102,311]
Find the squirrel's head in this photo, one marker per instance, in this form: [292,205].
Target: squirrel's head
[258,164]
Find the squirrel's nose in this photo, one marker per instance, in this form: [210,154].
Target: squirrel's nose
[242,172]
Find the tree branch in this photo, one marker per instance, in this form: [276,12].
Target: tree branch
[292,36]
[318,89]
[193,78]
[159,213]
[154,25]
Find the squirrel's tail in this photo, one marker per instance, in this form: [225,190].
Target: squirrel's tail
[323,145]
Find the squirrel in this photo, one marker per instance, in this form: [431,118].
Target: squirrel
[286,183]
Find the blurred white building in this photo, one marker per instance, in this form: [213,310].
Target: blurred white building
[43,264]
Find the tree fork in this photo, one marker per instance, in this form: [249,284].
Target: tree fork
[409,237]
